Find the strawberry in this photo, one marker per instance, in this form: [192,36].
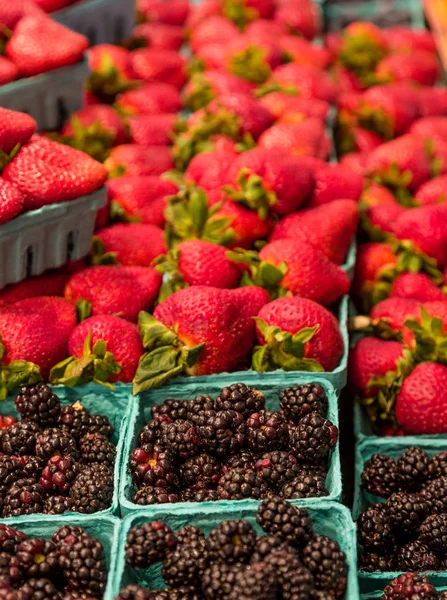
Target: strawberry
[103,349]
[432,191]
[150,99]
[103,117]
[379,220]
[12,12]
[330,229]
[287,108]
[132,159]
[118,290]
[163,66]
[111,72]
[361,47]
[51,283]
[355,162]
[202,11]
[198,331]
[47,172]
[159,35]
[152,130]
[251,59]
[376,195]
[404,38]
[416,286]
[332,182]
[293,267]
[300,18]
[361,140]
[127,244]
[394,312]
[210,170]
[174,12]
[34,336]
[297,334]
[204,87]
[306,80]
[375,264]
[8,71]
[140,198]
[429,127]
[419,66]
[215,29]
[432,101]
[39,44]
[222,143]
[16,129]
[11,201]
[308,138]
[299,50]
[52,5]
[263,28]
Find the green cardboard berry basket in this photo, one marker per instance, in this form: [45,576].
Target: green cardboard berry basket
[384,13]
[116,405]
[378,595]
[141,413]
[105,529]
[328,518]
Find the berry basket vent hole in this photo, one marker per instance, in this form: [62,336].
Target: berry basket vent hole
[30,260]
[72,244]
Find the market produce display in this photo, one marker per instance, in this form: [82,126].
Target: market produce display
[411,585]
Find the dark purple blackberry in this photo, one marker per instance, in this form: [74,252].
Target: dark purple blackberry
[24,497]
[58,475]
[185,565]
[149,543]
[11,469]
[438,466]
[218,580]
[435,495]
[412,469]
[372,562]
[77,595]
[433,532]
[406,512]
[241,398]
[54,442]
[38,558]
[67,534]
[199,495]
[77,421]
[410,585]
[202,471]
[150,434]
[374,529]
[57,505]
[176,410]
[148,494]
[380,476]
[313,438]
[154,465]
[183,592]
[10,538]
[267,431]
[39,404]
[181,437]
[232,541]
[256,581]
[8,592]
[222,433]
[416,556]
[96,448]
[11,568]
[20,439]
[83,565]
[244,460]
[291,523]
[268,544]
[92,491]
[304,485]
[197,406]
[327,563]
[134,592]
[295,582]
[237,484]
[189,534]
[32,466]
[40,589]
[276,468]
[299,400]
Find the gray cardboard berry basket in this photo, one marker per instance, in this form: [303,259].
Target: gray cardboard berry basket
[48,237]
[49,97]
[384,13]
[141,414]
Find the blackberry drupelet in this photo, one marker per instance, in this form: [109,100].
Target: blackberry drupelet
[198,405]
[297,585]
[58,475]
[222,433]
[149,494]
[11,469]
[149,543]
[284,562]
[269,544]
[232,541]
[416,556]
[406,512]
[39,589]
[305,485]
[291,523]
[10,538]
[202,471]
[372,562]
[299,400]
[276,468]
[380,476]
[154,465]
[38,558]
[181,437]
[267,431]
[218,580]
[327,563]
[438,466]
[374,529]
[176,410]
[57,505]
[256,582]
[66,534]
[77,421]
[24,497]
[189,534]
[54,442]
[92,491]
[83,565]
[313,438]
[412,469]
[435,495]
[410,585]
[150,434]
[237,484]
[20,439]
[10,568]
[241,398]
[199,495]
[245,460]
[433,532]
[96,448]
[185,565]
[133,592]
[39,404]
[32,466]
[180,593]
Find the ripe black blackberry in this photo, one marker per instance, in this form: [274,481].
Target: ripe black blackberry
[379,476]
[373,528]
[291,523]
[218,580]
[296,584]
[38,403]
[241,398]
[222,433]
[154,465]
[416,556]
[412,469]
[176,410]
[39,589]
[202,471]
[438,465]
[149,543]
[305,485]
[313,438]
[433,532]
[267,431]
[204,495]
[38,558]
[10,538]
[54,442]
[77,421]
[299,400]
[57,505]
[181,437]
[20,439]
[327,563]
[284,561]
[96,448]
[189,534]
[10,568]
[406,512]
[67,534]
[183,592]
[133,592]
[24,497]
[150,434]
[245,460]
[185,565]
[435,495]
[256,581]
[372,562]
[11,469]
[149,494]
[32,467]
[58,475]
[92,491]
[410,585]
[276,468]
[232,541]
[198,405]
[82,564]
[237,484]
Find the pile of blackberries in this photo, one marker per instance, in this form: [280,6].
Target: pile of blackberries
[412,586]
[407,532]
[290,562]
[231,447]
[56,459]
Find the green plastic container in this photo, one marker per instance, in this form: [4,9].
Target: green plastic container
[141,414]
[384,13]
[98,399]
[328,518]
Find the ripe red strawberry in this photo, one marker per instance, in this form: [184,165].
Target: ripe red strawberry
[171,13]
[364,140]
[395,311]
[430,127]
[433,191]
[300,18]
[416,286]
[204,87]
[432,101]
[47,172]
[422,401]
[39,44]
[329,229]
[8,71]
[332,182]
[360,48]
[132,159]
[265,28]
[150,99]
[375,262]
[111,72]
[202,11]
[118,290]
[419,66]
[381,218]
[127,244]
[160,35]
[297,334]
[210,170]
[308,81]
[301,51]
[12,12]
[16,128]
[287,108]
[52,5]
[99,119]
[164,66]
[51,283]
[308,138]
[103,349]
[375,195]
[214,333]
[402,37]
[355,161]
[251,59]
[152,130]
[215,29]
[11,201]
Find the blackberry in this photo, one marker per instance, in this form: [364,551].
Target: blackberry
[267,431]
[313,439]
[176,410]
[438,466]
[256,582]
[148,494]
[38,558]
[304,485]
[83,565]
[10,568]
[291,523]
[232,541]
[189,534]
[379,476]
[181,593]
[11,469]
[150,434]
[412,468]
[327,563]
[20,439]
[24,497]
[199,495]
[181,437]
[96,448]
[406,512]
[410,585]
[77,421]
[269,544]
[10,538]
[66,534]
[149,543]
[241,398]
[202,471]
[57,505]
[39,589]
[58,475]
[416,556]
[435,495]
[296,584]
[32,466]
[185,565]
[154,465]
[433,532]
[133,592]
[372,562]
[53,442]
[218,580]
[276,468]
[222,433]
[38,403]
[245,460]
[197,406]
[285,562]
[374,529]
[299,400]
[92,491]
[237,484]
